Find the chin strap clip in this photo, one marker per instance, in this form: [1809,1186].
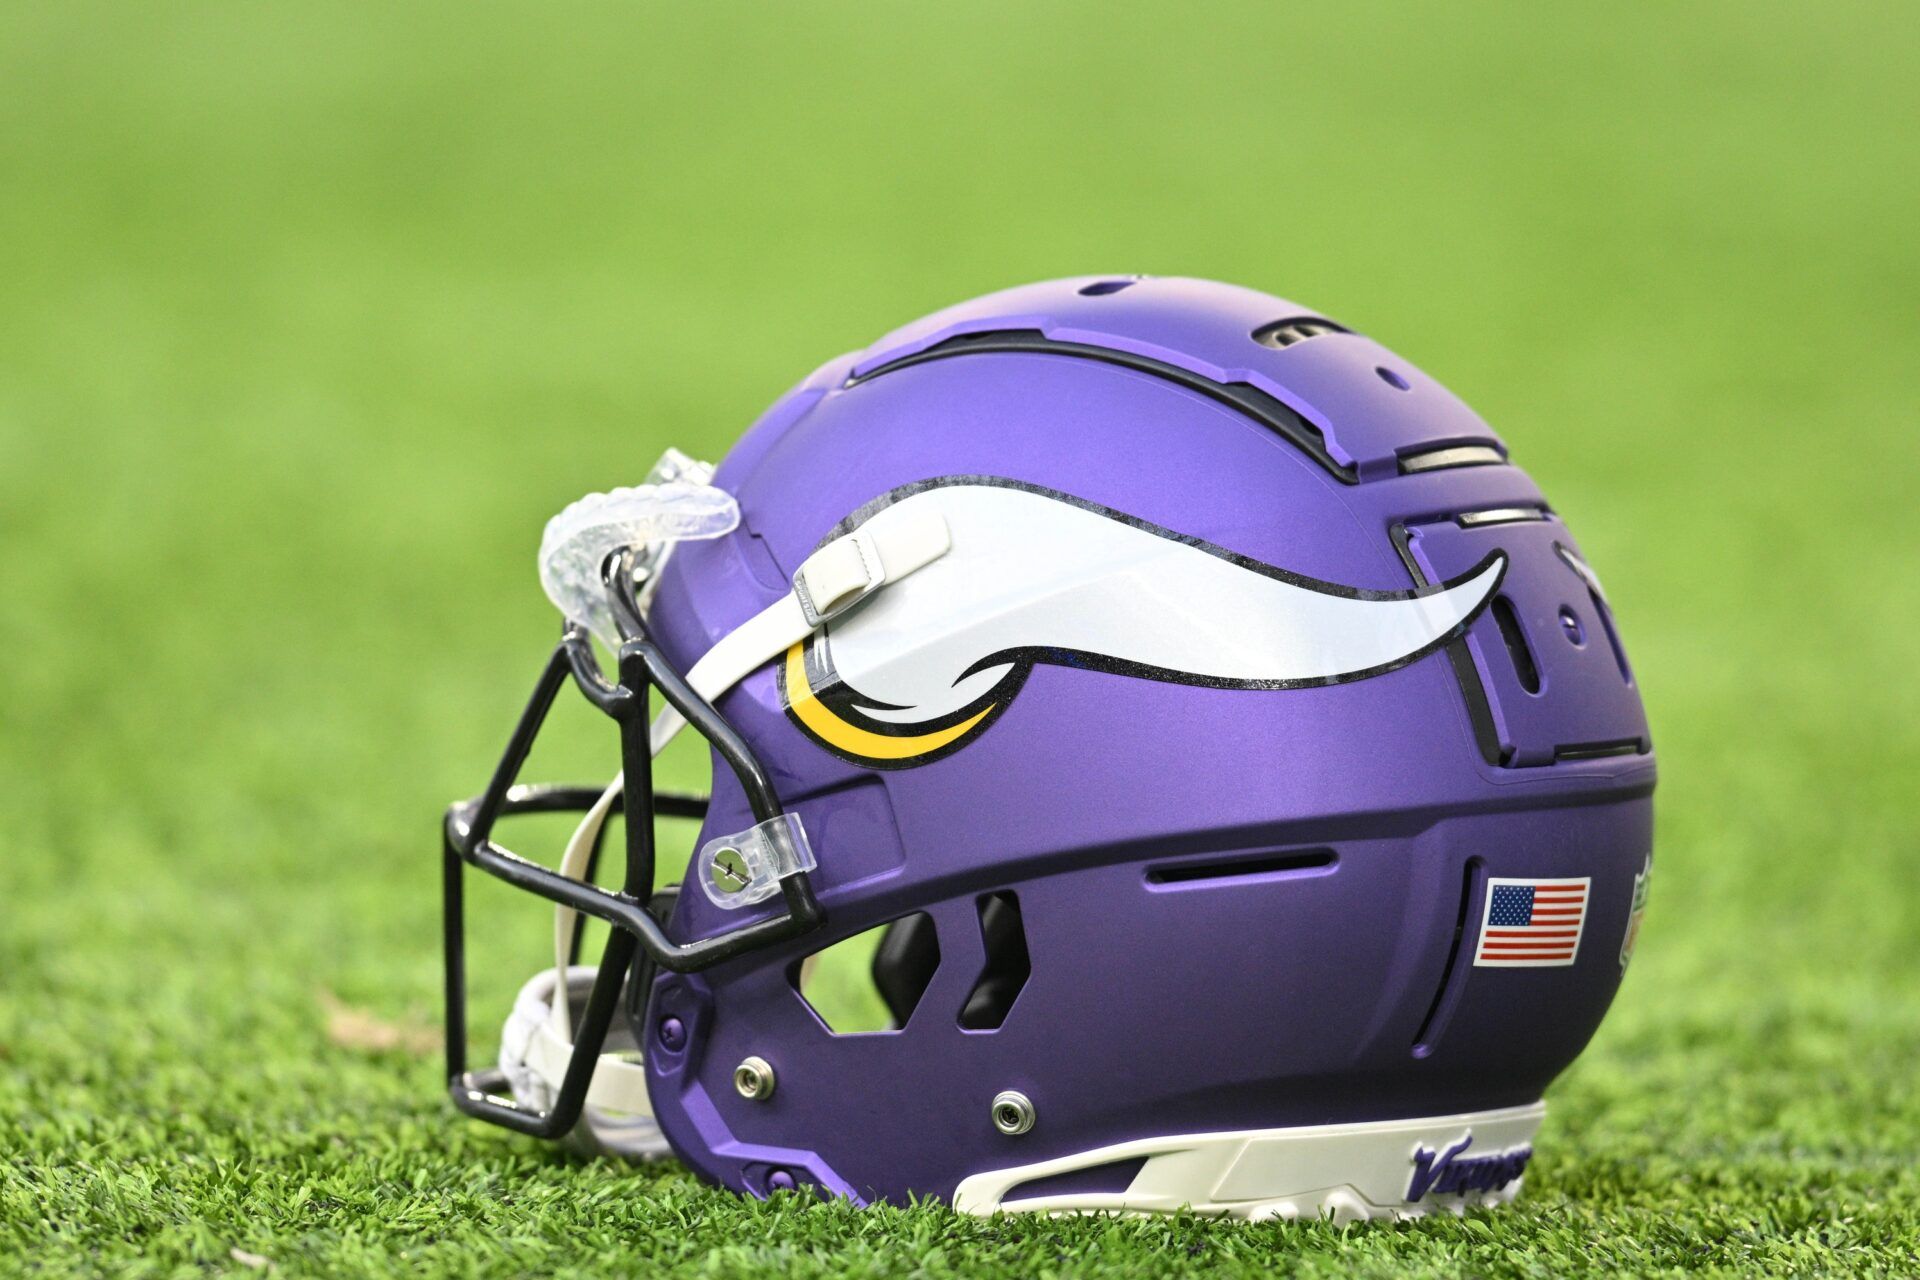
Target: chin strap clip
[747,867]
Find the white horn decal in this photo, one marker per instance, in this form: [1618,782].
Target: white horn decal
[1040,578]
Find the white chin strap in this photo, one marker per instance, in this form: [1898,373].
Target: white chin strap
[537,1041]
[535,1046]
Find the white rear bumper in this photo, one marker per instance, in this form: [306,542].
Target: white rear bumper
[1347,1172]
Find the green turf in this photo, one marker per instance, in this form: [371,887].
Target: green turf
[310,315]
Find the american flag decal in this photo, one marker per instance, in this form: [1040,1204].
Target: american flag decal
[1532,923]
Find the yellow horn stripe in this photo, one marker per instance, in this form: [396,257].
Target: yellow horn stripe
[852,739]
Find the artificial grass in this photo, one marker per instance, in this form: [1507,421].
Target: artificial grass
[309,319]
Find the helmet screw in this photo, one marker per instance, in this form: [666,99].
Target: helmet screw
[780,1180]
[1012,1113]
[728,870]
[673,1033]
[753,1079]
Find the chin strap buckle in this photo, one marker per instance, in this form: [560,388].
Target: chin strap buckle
[894,543]
[837,577]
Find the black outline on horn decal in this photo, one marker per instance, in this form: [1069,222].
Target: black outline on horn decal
[848,704]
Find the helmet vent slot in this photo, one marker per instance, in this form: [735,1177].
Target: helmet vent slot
[1248,399]
[1613,637]
[1270,866]
[1524,667]
[1008,966]
[1446,993]
[873,981]
[1449,456]
[1289,333]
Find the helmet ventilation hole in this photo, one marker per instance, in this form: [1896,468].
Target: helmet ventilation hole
[1605,615]
[873,981]
[1516,641]
[1445,992]
[1282,334]
[1007,968]
[1101,288]
[1267,866]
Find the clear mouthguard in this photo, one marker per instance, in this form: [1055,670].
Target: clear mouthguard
[747,867]
[677,504]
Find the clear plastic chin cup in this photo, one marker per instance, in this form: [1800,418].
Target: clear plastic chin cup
[677,504]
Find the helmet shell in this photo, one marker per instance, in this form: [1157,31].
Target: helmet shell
[1315,966]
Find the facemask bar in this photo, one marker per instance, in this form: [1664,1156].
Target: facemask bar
[636,930]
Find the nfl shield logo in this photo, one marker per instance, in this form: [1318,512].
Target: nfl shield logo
[1634,916]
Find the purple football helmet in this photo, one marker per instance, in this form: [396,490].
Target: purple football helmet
[1232,749]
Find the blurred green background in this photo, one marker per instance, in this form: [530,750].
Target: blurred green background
[311,315]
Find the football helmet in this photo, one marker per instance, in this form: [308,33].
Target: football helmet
[1230,748]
